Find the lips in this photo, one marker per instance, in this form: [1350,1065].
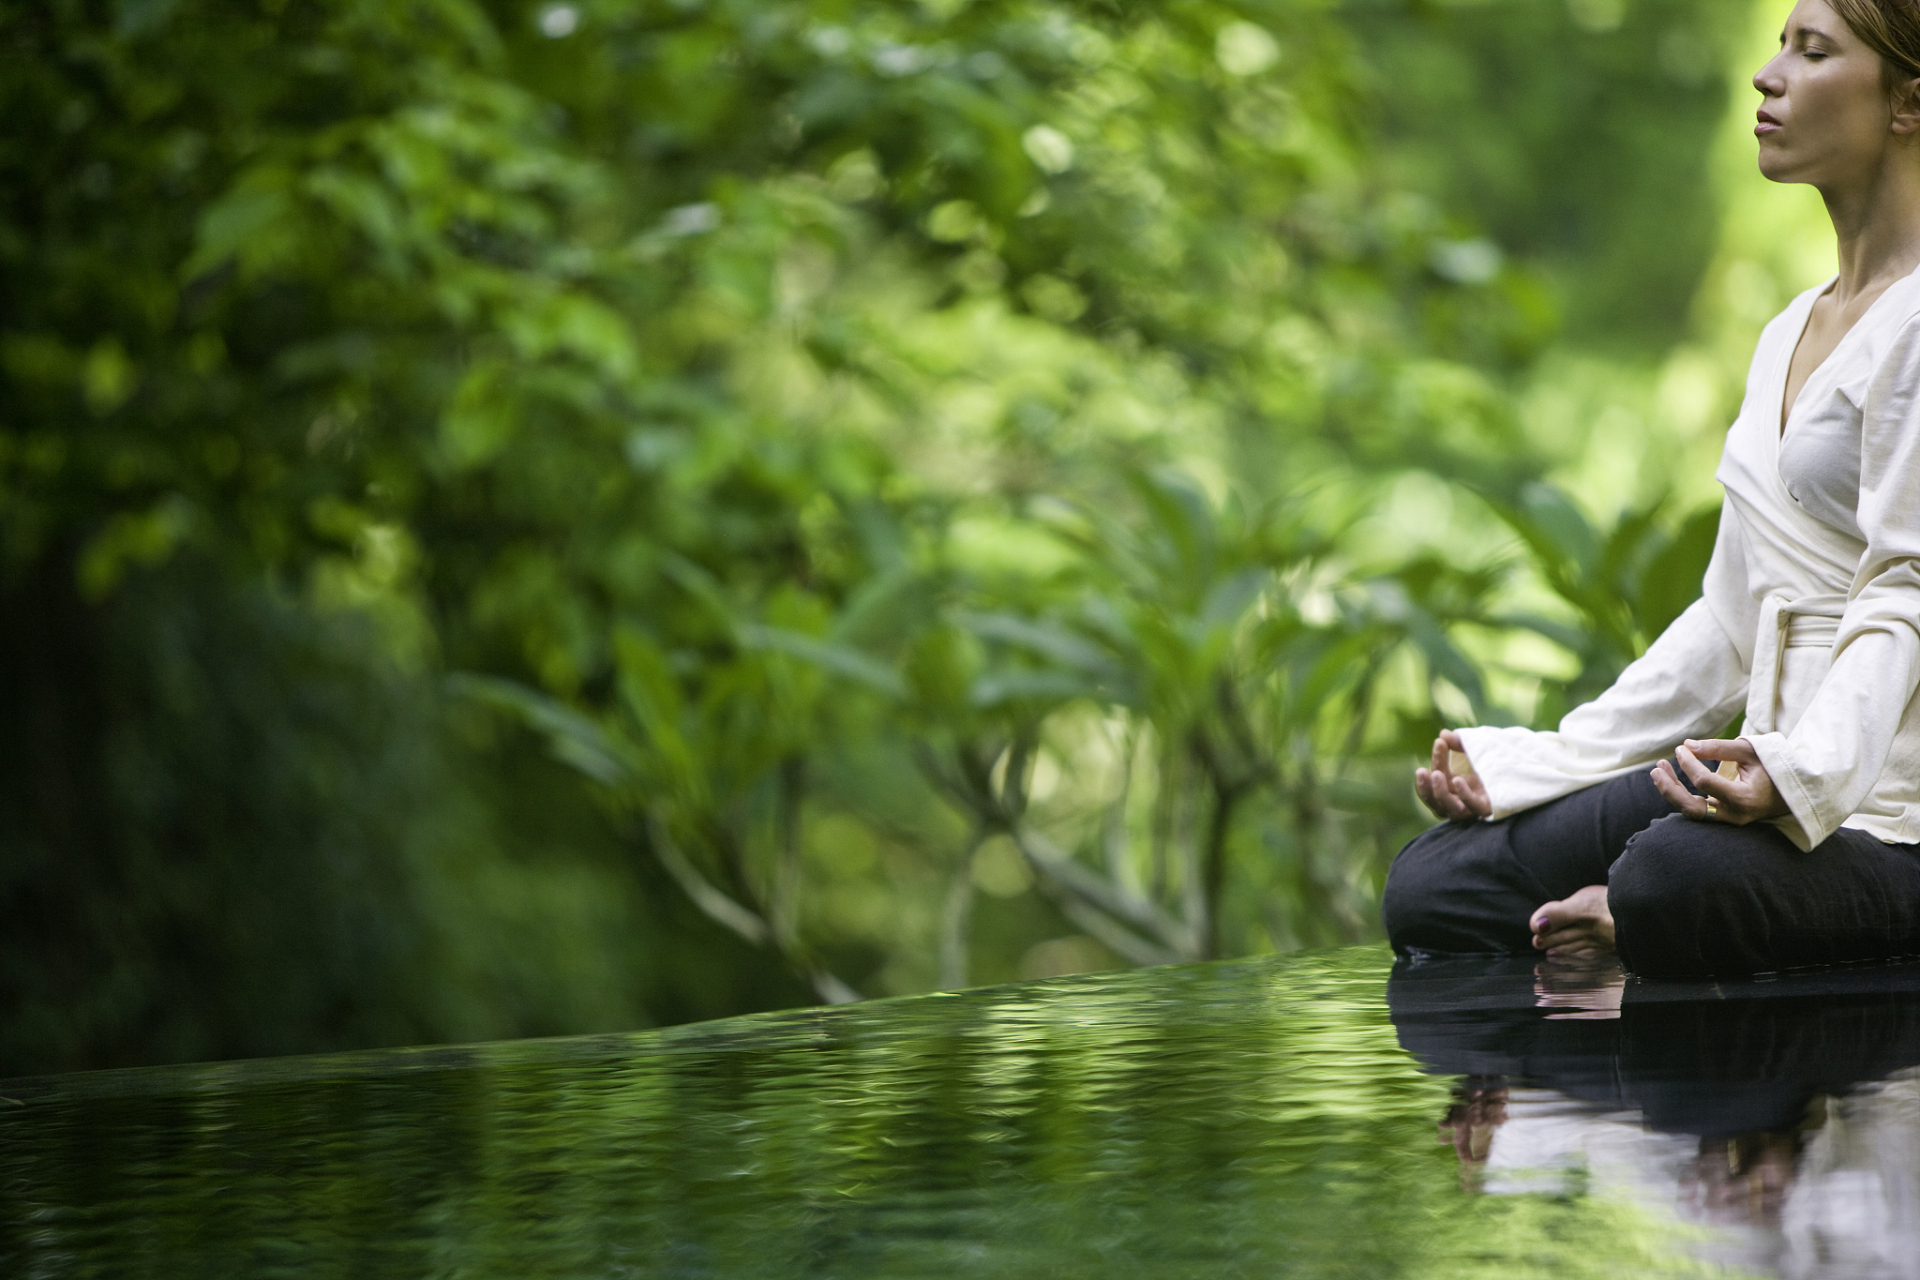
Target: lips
[1767,124]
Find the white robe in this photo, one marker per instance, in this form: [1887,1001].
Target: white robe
[1811,622]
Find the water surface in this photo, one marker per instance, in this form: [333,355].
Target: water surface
[1314,1115]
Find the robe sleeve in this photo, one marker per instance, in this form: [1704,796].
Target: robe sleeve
[1828,765]
[1688,684]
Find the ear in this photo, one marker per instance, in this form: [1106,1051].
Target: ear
[1906,107]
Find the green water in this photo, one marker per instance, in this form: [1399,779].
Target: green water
[1237,1119]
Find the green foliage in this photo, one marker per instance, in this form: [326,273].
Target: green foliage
[1624,584]
[862,439]
[1529,129]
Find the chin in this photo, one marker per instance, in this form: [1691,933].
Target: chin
[1774,168]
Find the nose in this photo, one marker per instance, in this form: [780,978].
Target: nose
[1768,79]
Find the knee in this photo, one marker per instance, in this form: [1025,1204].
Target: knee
[1660,866]
[1411,880]
[1444,893]
[1670,879]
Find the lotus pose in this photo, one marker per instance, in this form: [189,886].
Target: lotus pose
[1617,831]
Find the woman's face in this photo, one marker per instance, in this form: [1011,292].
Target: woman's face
[1827,117]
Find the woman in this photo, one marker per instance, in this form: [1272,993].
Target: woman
[1801,848]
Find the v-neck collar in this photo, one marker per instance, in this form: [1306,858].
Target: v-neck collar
[1783,418]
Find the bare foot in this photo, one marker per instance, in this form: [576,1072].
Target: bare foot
[1590,987]
[1577,925]
[1741,1179]
[1479,1107]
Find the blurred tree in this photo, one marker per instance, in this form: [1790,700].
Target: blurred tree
[866,441]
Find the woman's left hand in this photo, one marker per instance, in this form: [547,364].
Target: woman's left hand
[1748,796]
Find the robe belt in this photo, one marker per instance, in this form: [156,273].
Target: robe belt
[1811,622]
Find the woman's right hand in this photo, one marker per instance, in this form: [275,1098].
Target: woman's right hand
[1452,797]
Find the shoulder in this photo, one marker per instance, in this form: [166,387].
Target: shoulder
[1892,329]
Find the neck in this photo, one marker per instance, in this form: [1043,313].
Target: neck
[1877,226]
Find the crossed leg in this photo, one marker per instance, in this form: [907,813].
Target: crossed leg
[1613,866]
[1480,886]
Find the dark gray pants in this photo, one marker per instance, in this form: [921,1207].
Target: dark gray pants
[1688,898]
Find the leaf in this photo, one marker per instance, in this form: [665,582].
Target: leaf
[842,660]
[888,607]
[1445,659]
[481,416]
[573,738]
[1673,578]
[1038,637]
[248,225]
[575,325]
[999,687]
[1180,511]
[701,585]
[1231,597]
[1558,526]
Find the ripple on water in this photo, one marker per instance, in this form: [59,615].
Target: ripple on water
[1273,1117]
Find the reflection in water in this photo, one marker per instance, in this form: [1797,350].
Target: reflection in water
[1225,1120]
[1784,1115]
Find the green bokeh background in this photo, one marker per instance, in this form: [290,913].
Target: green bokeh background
[532,519]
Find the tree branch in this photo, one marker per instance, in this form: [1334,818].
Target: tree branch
[956,918]
[1079,887]
[717,906]
[1104,929]
[748,924]
[1096,891]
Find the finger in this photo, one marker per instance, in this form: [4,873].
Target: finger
[1726,790]
[1473,799]
[1440,754]
[1736,755]
[1737,749]
[1477,798]
[1435,775]
[1667,783]
[1452,740]
[1690,764]
[1728,793]
[1437,796]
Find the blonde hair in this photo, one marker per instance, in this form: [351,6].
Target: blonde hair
[1891,28]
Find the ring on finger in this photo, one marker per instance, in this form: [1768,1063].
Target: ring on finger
[1713,811]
